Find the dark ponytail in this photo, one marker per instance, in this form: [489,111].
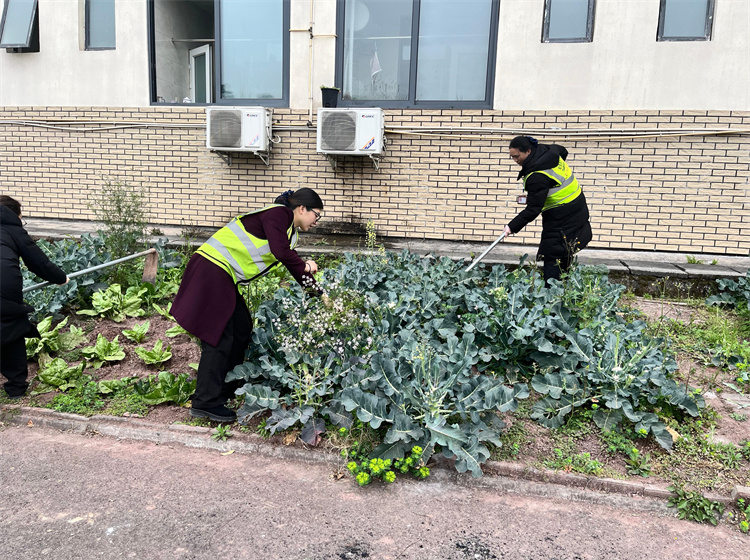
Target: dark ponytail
[301,197]
[523,143]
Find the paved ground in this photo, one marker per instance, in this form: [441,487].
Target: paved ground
[77,496]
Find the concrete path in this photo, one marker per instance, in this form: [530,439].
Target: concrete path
[83,496]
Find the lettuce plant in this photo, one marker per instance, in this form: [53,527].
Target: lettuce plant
[138,333]
[103,351]
[114,304]
[58,375]
[166,387]
[52,339]
[158,355]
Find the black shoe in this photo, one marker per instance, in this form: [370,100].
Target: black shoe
[216,413]
[16,397]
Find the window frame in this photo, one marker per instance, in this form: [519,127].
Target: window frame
[412,102]
[708,29]
[285,31]
[87,28]
[32,37]
[591,14]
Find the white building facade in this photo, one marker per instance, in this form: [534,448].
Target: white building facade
[651,97]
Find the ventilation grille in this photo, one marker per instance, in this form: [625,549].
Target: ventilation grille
[226,129]
[339,131]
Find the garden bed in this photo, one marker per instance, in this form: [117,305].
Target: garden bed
[415,360]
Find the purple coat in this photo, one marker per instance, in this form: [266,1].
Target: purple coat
[207,294]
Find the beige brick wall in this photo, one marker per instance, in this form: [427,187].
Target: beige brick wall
[687,193]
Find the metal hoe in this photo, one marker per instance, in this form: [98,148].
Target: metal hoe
[149,269]
[480,257]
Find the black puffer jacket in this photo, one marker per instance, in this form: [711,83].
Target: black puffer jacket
[565,229]
[15,243]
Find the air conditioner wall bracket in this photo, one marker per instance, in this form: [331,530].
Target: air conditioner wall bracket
[226,156]
[376,160]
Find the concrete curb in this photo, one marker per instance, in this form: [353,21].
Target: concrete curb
[503,476]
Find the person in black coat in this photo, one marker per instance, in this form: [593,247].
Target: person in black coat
[14,313]
[552,191]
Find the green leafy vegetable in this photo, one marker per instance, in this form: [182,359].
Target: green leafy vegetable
[138,332]
[103,351]
[158,355]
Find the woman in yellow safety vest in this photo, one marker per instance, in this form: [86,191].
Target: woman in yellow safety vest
[552,191]
[208,303]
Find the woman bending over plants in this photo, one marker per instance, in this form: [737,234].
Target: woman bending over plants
[208,303]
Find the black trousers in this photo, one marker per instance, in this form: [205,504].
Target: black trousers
[216,361]
[555,268]
[14,367]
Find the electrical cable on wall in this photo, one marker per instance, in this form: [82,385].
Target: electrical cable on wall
[489,133]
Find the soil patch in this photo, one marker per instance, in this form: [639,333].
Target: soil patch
[184,350]
[656,310]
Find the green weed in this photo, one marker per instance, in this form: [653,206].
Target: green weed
[122,208]
[84,400]
[221,433]
[693,506]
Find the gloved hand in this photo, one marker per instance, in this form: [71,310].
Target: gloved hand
[326,301]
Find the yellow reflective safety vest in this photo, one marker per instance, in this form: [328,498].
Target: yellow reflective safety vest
[567,190]
[244,256]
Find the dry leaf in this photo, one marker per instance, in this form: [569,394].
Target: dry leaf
[673,433]
[30,424]
[291,437]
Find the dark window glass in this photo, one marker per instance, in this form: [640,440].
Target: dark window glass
[17,23]
[200,79]
[685,20]
[429,53]
[100,24]
[568,21]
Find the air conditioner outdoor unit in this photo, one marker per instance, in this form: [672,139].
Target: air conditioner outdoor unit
[239,129]
[354,132]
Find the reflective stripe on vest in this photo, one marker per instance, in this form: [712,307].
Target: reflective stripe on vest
[240,253]
[567,190]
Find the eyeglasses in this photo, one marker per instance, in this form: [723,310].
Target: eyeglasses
[317,214]
[23,222]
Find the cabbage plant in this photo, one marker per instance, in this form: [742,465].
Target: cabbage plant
[429,355]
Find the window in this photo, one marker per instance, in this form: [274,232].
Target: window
[568,21]
[254,50]
[233,52]
[419,53]
[100,24]
[685,20]
[19,27]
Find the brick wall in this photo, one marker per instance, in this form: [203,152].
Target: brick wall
[687,193]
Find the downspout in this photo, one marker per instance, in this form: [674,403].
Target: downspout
[311,56]
[312,23]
